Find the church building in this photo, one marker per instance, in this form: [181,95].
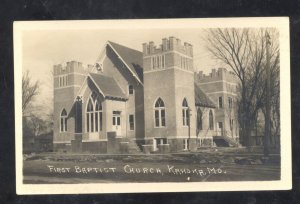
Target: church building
[131,101]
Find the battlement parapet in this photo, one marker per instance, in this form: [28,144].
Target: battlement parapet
[168,44]
[69,67]
[215,75]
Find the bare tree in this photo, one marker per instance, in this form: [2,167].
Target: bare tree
[29,90]
[244,52]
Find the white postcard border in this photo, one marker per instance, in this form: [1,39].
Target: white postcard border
[282,23]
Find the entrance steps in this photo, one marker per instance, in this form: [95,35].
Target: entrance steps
[133,148]
[225,141]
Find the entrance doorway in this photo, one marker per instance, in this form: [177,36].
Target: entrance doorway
[220,129]
[116,122]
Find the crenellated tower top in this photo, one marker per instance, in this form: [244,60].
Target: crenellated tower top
[168,44]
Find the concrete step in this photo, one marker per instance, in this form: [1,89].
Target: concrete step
[224,141]
[133,147]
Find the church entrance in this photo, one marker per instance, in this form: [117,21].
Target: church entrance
[116,122]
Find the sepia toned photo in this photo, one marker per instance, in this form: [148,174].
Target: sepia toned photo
[152,105]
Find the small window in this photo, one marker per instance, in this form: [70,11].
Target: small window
[231,124]
[220,124]
[161,141]
[131,122]
[118,120]
[130,89]
[185,144]
[99,67]
[158,61]
[229,102]
[220,102]
[114,120]
[63,80]
[211,120]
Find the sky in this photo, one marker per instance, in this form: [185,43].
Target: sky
[42,49]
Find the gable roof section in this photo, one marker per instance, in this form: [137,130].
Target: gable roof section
[133,59]
[201,99]
[107,86]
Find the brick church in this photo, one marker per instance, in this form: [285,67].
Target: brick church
[151,101]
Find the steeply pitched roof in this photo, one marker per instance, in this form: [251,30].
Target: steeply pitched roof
[108,86]
[201,99]
[132,58]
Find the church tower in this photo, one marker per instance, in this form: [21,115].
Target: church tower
[68,79]
[169,96]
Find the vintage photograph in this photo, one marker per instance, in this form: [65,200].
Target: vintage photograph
[152,105]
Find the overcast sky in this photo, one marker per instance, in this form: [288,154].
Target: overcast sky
[43,49]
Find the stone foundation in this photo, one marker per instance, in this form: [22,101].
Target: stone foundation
[97,147]
[193,145]
[62,147]
[163,148]
[115,145]
[176,145]
[206,142]
[147,149]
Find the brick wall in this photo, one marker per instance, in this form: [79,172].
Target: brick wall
[221,83]
[172,83]
[64,97]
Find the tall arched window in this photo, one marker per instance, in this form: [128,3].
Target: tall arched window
[94,114]
[160,113]
[89,116]
[211,120]
[63,121]
[185,113]
[98,116]
[199,119]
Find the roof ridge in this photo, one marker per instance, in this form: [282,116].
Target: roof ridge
[111,42]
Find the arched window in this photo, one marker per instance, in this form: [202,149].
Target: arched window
[199,119]
[185,113]
[94,114]
[160,113]
[98,116]
[89,116]
[63,121]
[211,120]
